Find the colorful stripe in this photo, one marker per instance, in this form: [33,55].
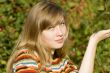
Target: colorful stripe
[27,63]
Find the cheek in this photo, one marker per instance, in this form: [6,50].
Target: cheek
[65,31]
[47,37]
[48,40]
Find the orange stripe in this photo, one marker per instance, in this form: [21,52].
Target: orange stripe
[28,71]
[26,56]
[67,70]
[20,67]
[56,61]
[22,51]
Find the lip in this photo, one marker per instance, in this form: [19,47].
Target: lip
[59,40]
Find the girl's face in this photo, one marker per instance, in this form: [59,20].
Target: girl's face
[54,37]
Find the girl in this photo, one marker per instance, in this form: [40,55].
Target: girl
[41,45]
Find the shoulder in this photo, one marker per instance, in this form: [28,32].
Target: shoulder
[26,62]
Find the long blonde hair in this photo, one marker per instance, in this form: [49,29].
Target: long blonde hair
[41,16]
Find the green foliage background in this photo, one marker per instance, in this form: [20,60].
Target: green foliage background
[84,18]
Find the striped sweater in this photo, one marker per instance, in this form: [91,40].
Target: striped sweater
[27,63]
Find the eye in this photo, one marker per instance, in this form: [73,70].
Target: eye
[51,28]
[62,23]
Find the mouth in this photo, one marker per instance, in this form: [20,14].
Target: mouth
[59,40]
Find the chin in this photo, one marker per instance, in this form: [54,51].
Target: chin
[58,46]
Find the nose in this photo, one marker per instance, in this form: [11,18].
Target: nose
[59,31]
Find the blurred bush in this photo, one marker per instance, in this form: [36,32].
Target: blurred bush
[84,18]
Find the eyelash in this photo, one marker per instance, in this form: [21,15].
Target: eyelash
[52,27]
[62,23]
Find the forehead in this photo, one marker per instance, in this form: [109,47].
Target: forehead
[51,20]
[57,20]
